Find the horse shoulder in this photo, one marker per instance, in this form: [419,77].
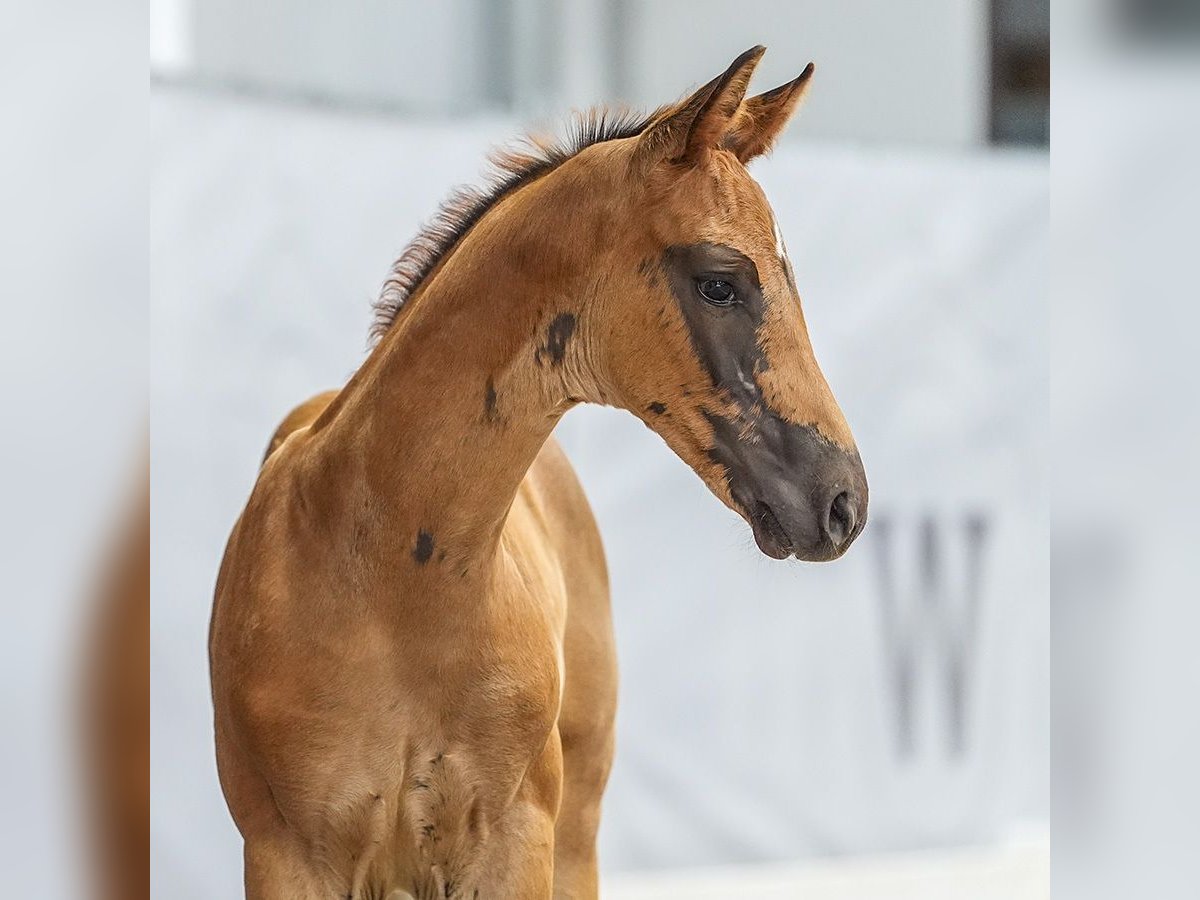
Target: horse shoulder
[570,526]
[590,687]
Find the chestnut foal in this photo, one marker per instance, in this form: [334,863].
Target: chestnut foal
[411,649]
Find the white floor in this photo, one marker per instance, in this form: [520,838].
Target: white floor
[1010,872]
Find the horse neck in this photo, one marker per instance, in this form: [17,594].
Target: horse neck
[438,428]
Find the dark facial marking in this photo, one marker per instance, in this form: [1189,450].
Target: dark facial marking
[762,454]
[657,408]
[489,401]
[789,465]
[725,338]
[424,548]
[557,335]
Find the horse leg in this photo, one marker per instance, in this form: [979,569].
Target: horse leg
[519,863]
[586,763]
[275,869]
[586,723]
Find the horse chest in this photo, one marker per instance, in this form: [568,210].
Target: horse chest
[487,723]
[497,695]
[467,780]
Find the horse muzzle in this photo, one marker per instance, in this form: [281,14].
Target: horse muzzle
[803,495]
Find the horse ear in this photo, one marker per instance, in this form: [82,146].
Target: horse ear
[685,132]
[761,119]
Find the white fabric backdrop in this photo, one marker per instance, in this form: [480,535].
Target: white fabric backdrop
[759,709]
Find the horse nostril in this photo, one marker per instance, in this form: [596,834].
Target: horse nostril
[842,519]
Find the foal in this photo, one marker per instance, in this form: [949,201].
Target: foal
[411,649]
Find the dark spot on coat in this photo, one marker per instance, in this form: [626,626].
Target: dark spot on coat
[657,408]
[489,401]
[424,548]
[648,268]
[555,349]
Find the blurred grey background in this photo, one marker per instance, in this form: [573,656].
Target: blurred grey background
[771,714]
[951,73]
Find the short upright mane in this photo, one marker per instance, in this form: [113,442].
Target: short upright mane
[511,167]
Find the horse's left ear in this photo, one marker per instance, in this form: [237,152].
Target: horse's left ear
[761,119]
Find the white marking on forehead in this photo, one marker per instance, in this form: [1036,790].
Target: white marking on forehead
[780,249]
[781,252]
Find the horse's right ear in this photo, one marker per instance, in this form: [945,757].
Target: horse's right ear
[687,131]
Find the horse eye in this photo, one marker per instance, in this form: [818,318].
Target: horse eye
[716,292]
